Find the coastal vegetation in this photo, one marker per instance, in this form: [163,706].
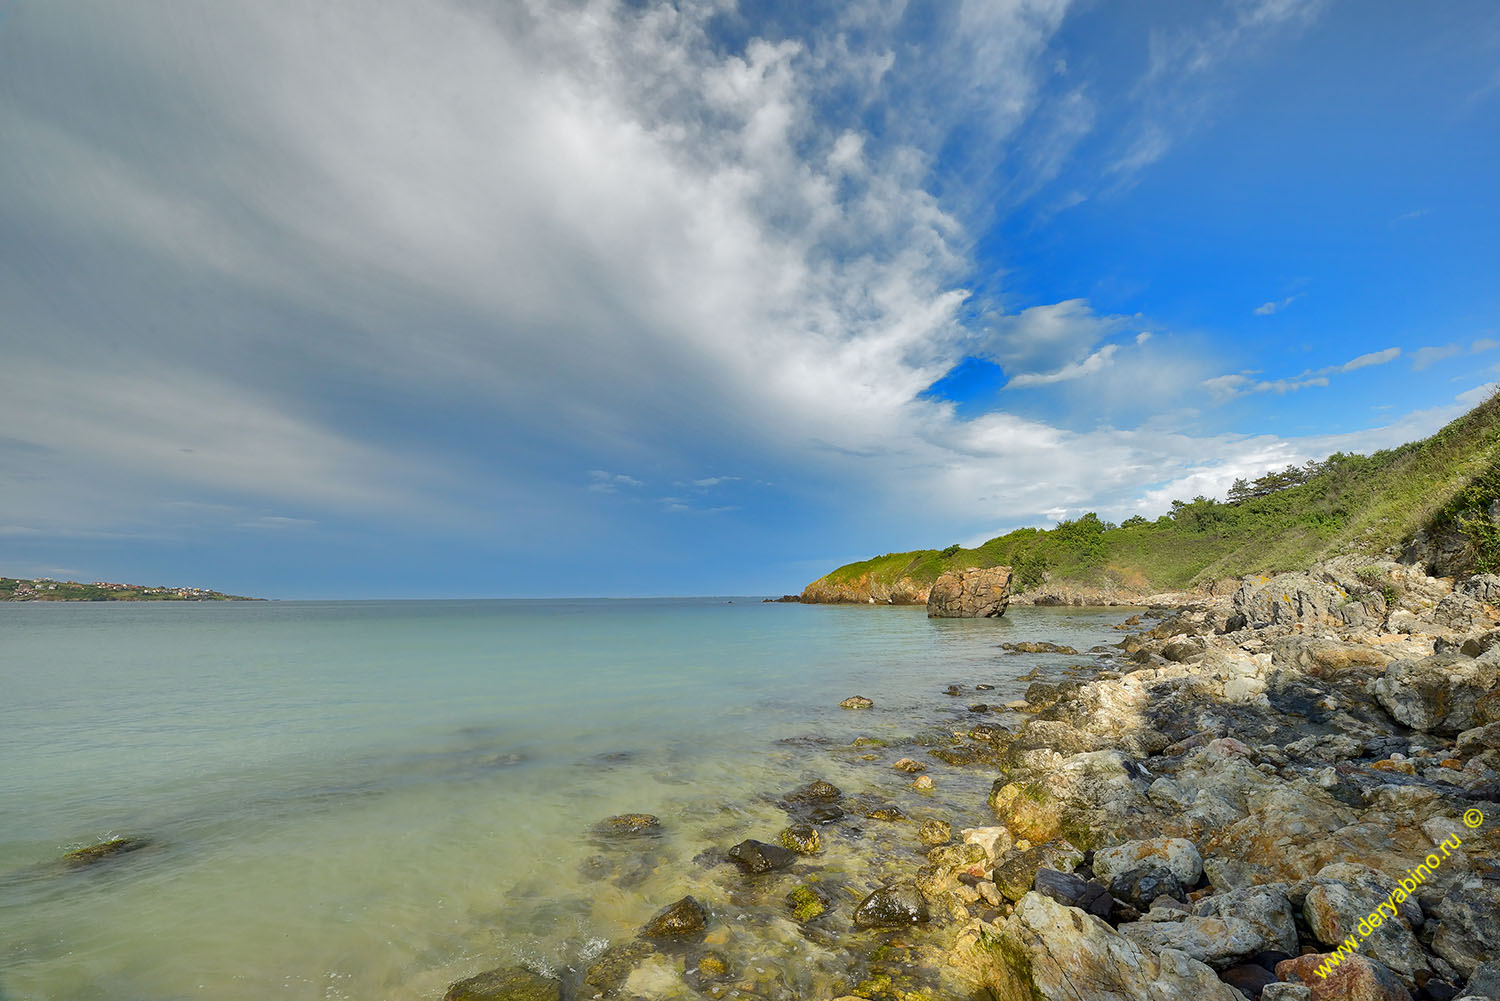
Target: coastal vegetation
[46,589]
[1446,485]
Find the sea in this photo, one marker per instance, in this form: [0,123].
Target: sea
[374,799]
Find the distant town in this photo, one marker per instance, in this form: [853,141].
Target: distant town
[47,589]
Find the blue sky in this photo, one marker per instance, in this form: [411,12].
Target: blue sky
[613,298]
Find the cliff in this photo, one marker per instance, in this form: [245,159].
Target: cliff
[1435,501]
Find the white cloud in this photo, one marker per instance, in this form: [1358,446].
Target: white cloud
[1366,360]
[1432,354]
[1484,344]
[1095,362]
[604,482]
[1047,337]
[1275,306]
[1227,387]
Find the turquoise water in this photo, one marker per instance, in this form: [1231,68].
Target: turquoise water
[372,799]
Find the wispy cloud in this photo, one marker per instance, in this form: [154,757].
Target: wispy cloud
[1275,306]
[1427,356]
[602,481]
[1095,362]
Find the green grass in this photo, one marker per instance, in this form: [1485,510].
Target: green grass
[1351,504]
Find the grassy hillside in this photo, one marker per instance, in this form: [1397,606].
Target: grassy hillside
[1348,503]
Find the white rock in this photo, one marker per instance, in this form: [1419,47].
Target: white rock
[1176,855]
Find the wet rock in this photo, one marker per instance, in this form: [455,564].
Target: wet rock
[1468,932]
[893,906]
[909,766]
[1074,891]
[508,984]
[1354,979]
[628,825]
[707,967]
[1047,950]
[1141,886]
[960,756]
[935,832]
[1219,942]
[885,811]
[1015,874]
[806,903]
[970,594]
[758,857]
[606,973]
[1437,694]
[856,702]
[817,791]
[1176,855]
[995,841]
[923,783]
[684,919]
[803,839]
[1036,647]
[89,855]
[1266,908]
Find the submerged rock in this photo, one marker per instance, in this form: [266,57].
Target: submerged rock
[507,984]
[104,850]
[606,973]
[935,832]
[892,907]
[1036,647]
[806,903]
[757,857]
[628,825]
[856,702]
[684,919]
[803,839]
[970,594]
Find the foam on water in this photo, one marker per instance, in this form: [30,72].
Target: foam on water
[372,799]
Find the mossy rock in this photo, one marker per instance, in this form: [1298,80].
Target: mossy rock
[886,812]
[868,742]
[935,832]
[806,903]
[685,918]
[506,984]
[104,850]
[803,839]
[606,973]
[628,825]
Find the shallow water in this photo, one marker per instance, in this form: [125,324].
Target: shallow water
[372,799]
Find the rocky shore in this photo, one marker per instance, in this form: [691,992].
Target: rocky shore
[1289,791]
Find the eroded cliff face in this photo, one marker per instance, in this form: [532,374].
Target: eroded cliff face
[865,591]
[970,594]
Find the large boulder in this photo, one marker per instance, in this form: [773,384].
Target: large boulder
[1176,855]
[1288,598]
[1048,950]
[1437,694]
[893,906]
[1345,978]
[1467,932]
[1265,907]
[1219,942]
[970,594]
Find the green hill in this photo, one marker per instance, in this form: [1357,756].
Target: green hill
[1445,485]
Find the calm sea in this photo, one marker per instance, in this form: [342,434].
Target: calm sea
[372,799]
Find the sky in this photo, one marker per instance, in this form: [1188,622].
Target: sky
[427,298]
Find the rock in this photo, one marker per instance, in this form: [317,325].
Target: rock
[923,782]
[628,825]
[1436,694]
[1016,872]
[1031,646]
[1282,991]
[606,973]
[856,702]
[995,841]
[806,903]
[757,857]
[1287,599]
[1468,932]
[1046,950]
[1354,979]
[886,812]
[818,791]
[1142,885]
[909,766]
[892,907]
[1249,979]
[1266,908]
[508,984]
[89,855]
[1219,942]
[1176,855]
[803,839]
[1028,810]
[1334,911]
[935,832]
[970,594]
[709,967]
[1484,981]
[1074,891]
[1487,708]
[683,919]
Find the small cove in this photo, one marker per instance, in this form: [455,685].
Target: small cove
[372,799]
